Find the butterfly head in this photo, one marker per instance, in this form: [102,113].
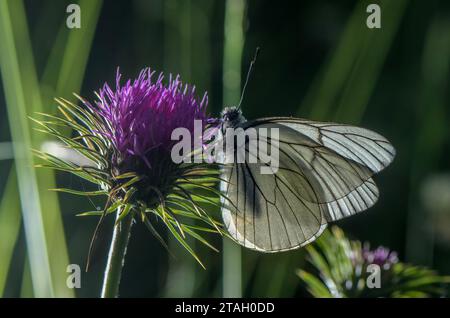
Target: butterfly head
[231,117]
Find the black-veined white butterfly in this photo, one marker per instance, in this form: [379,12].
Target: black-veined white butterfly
[324,174]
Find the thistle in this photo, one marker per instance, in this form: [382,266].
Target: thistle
[125,135]
[345,268]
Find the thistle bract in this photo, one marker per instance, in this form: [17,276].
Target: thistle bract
[126,133]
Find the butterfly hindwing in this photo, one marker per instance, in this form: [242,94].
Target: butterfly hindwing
[264,219]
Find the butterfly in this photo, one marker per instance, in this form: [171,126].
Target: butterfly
[323,174]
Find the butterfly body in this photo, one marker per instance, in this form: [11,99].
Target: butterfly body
[231,117]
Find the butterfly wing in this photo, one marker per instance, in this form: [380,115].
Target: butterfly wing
[324,174]
[268,217]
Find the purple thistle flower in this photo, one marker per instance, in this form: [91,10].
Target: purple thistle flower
[381,256]
[141,115]
[138,119]
[126,139]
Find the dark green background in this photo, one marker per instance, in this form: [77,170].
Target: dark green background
[317,60]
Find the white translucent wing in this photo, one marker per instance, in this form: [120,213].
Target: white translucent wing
[324,175]
[356,201]
[268,217]
[358,144]
[344,179]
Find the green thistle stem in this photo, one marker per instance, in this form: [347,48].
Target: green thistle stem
[116,256]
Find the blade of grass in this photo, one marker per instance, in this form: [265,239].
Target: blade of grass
[78,43]
[66,65]
[432,131]
[10,220]
[374,47]
[182,277]
[27,181]
[76,51]
[353,66]
[51,216]
[26,288]
[232,57]
[347,79]
[328,83]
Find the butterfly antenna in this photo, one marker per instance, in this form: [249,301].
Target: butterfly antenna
[248,76]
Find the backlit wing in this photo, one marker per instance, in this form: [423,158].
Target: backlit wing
[324,174]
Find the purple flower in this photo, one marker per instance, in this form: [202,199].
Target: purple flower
[125,141]
[137,120]
[141,115]
[381,256]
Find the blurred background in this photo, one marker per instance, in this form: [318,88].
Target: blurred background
[318,60]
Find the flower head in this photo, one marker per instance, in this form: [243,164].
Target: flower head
[138,118]
[141,115]
[127,134]
[381,256]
